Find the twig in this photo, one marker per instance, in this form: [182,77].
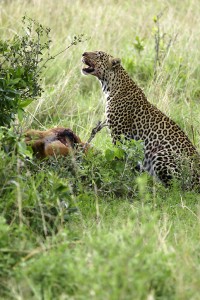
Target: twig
[73,43]
[161,52]
[184,206]
[193,134]
[157,44]
[172,40]
[36,120]
[96,129]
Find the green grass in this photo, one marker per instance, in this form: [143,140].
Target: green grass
[93,228]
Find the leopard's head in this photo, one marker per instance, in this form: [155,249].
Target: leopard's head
[99,64]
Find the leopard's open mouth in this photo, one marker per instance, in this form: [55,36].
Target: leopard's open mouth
[90,66]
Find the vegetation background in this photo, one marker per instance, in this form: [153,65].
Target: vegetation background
[92,228]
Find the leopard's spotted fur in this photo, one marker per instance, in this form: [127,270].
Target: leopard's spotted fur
[130,114]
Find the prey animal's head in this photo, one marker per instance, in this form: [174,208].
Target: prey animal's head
[52,142]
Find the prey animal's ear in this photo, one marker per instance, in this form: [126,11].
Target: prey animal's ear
[114,62]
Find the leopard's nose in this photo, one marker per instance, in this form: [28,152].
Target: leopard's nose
[84,54]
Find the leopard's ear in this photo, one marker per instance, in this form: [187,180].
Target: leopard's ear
[114,62]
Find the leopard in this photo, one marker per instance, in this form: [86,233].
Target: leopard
[129,114]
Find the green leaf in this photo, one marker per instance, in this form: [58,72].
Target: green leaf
[119,153]
[138,44]
[155,19]
[14,81]
[109,155]
[23,150]
[25,103]
[20,113]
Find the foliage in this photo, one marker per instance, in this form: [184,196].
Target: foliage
[163,43]
[138,44]
[109,174]
[22,60]
[107,250]
[12,142]
[20,69]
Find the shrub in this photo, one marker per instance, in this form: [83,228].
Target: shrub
[21,61]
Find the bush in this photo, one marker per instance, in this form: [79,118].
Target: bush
[21,63]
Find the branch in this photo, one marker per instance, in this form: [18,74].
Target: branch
[96,129]
[73,43]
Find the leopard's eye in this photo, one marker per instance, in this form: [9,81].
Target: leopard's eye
[99,54]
